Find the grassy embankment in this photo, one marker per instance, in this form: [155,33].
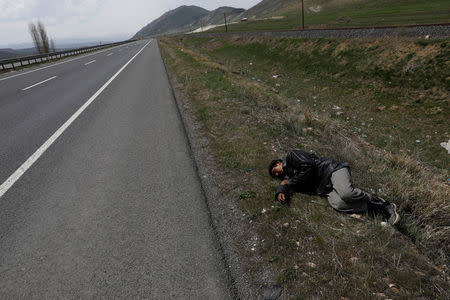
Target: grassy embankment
[351,13]
[381,105]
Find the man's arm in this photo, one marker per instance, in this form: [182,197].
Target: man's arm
[303,164]
[283,193]
[302,175]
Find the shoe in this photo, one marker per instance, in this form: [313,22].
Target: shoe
[391,213]
[375,206]
[388,210]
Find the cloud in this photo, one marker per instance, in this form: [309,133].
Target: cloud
[12,10]
[81,8]
[65,9]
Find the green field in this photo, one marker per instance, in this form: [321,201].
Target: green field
[380,105]
[356,13]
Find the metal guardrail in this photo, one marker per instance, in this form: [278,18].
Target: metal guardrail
[12,63]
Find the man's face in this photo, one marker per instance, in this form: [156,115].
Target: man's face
[278,170]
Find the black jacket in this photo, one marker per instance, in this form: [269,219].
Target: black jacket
[308,173]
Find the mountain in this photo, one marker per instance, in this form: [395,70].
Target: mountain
[177,20]
[189,18]
[10,53]
[270,8]
[216,16]
[16,45]
[70,43]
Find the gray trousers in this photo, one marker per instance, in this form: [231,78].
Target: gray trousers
[344,197]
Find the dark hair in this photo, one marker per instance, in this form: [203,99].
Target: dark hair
[272,165]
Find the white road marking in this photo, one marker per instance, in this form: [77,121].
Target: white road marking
[44,81]
[88,63]
[35,156]
[110,54]
[57,64]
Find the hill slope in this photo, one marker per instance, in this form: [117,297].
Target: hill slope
[10,53]
[315,252]
[177,20]
[342,13]
[267,8]
[216,17]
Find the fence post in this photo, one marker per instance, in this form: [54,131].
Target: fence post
[226,26]
[303,16]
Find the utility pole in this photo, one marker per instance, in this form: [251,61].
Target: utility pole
[303,16]
[226,26]
[201,24]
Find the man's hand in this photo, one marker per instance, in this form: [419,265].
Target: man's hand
[282,198]
[285,182]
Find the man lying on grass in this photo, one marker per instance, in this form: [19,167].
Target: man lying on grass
[306,173]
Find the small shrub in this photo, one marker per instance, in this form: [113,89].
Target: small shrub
[247,195]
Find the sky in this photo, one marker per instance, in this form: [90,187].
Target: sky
[89,19]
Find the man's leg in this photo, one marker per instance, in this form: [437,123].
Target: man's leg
[348,199]
[345,197]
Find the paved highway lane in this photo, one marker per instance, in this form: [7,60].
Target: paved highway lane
[28,117]
[113,209]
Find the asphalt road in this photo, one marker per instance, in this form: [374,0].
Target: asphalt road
[113,208]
